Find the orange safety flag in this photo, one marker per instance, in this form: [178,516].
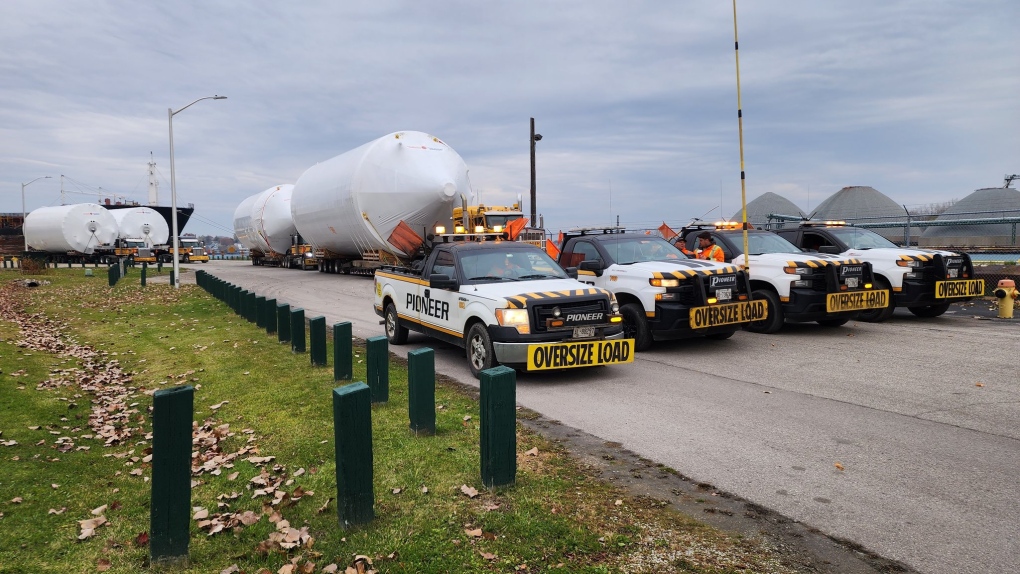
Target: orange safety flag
[667,232]
[552,250]
[559,240]
[513,228]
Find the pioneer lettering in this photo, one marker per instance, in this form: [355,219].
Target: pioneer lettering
[428,306]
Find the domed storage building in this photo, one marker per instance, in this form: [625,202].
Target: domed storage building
[863,204]
[998,201]
[766,204]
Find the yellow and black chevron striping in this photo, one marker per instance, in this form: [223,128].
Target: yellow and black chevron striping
[921,257]
[520,301]
[690,273]
[819,263]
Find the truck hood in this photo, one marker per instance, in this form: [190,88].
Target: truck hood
[895,253]
[797,259]
[680,267]
[528,290]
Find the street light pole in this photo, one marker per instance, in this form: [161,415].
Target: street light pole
[173,186]
[24,214]
[534,138]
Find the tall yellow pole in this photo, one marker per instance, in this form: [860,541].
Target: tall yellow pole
[740,129]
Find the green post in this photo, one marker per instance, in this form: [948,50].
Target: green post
[173,279]
[145,269]
[317,340]
[297,330]
[159,266]
[352,431]
[283,322]
[111,274]
[260,311]
[498,426]
[343,352]
[378,366]
[270,315]
[170,510]
[249,305]
[421,390]
[235,299]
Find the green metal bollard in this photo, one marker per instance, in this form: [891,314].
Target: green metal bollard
[283,322]
[260,311]
[111,273]
[317,341]
[249,305]
[173,278]
[343,352]
[159,267]
[352,430]
[498,426]
[378,365]
[170,510]
[235,299]
[145,269]
[297,330]
[421,391]
[271,319]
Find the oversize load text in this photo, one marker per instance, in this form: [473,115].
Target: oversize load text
[586,354]
[702,317]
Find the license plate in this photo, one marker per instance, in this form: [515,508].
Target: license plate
[856,301]
[953,273]
[724,294]
[580,354]
[730,314]
[584,332]
[852,282]
[964,288]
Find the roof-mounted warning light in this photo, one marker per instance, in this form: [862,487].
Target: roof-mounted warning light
[827,223]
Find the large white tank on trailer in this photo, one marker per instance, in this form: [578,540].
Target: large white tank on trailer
[141,223]
[263,222]
[353,203]
[81,227]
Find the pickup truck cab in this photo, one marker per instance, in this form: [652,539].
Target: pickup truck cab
[662,294]
[797,286]
[506,303]
[924,281]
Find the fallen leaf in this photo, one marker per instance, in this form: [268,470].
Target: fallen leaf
[58,512]
[619,503]
[142,539]
[476,533]
[491,507]
[331,569]
[424,490]
[54,486]
[397,490]
[201,513]
[979,384]
[103,565]
[839,466]
[100,510]
[230,569]
[16,500]
[470,492]
[218,405]
[532,452]
[488,555]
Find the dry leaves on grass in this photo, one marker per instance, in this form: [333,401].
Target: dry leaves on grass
[88,527]
[469,491]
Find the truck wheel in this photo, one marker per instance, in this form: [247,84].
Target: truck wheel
[833,322]
[929,310]
[774,321]
[878,315]
[479,349]
[635,326]
[395,332]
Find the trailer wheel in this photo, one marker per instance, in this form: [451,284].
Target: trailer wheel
[774,321]
[479,349]
[395,332]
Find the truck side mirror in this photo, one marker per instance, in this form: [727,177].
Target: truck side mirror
[571,272]
[442,282]
[591,265]
[830,249]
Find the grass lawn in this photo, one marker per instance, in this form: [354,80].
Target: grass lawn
[79,362]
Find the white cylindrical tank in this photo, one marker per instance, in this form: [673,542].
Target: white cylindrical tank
[354,202]
[81,227]
[141,223]
[263,222]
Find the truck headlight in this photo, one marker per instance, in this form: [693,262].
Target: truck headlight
[664,282]
[801,283]
[909,263]
[516,318]
[797,270]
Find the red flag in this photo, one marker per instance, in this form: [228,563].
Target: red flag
[666,231]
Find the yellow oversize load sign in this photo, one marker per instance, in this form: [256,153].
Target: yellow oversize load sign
[580,354]
[856,301]
[965,288]
[728,314]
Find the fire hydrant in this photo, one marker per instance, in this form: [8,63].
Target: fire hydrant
[1006,293]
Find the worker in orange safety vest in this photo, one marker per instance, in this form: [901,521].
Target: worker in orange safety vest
[707,249]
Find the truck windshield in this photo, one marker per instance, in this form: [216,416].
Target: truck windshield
[760,243]
[494,219]
[627,250]
[495,265]
[858,238]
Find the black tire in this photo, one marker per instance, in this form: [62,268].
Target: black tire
[878,315]
[720,336]
[774,321]
[929,310]
[635,326]
[396,333]
[480,355]
[833,322]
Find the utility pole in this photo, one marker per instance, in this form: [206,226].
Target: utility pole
[534,138]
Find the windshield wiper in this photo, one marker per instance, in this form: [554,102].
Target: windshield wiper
[539,276]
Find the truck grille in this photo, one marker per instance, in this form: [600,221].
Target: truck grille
[542,311]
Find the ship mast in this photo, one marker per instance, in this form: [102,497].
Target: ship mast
[153,182]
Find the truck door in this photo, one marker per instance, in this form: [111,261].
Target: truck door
[437,309]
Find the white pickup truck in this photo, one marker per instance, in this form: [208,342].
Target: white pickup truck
[662,294]
[925,281]
[506,303]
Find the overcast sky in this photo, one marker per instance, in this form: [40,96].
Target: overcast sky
[637,101]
